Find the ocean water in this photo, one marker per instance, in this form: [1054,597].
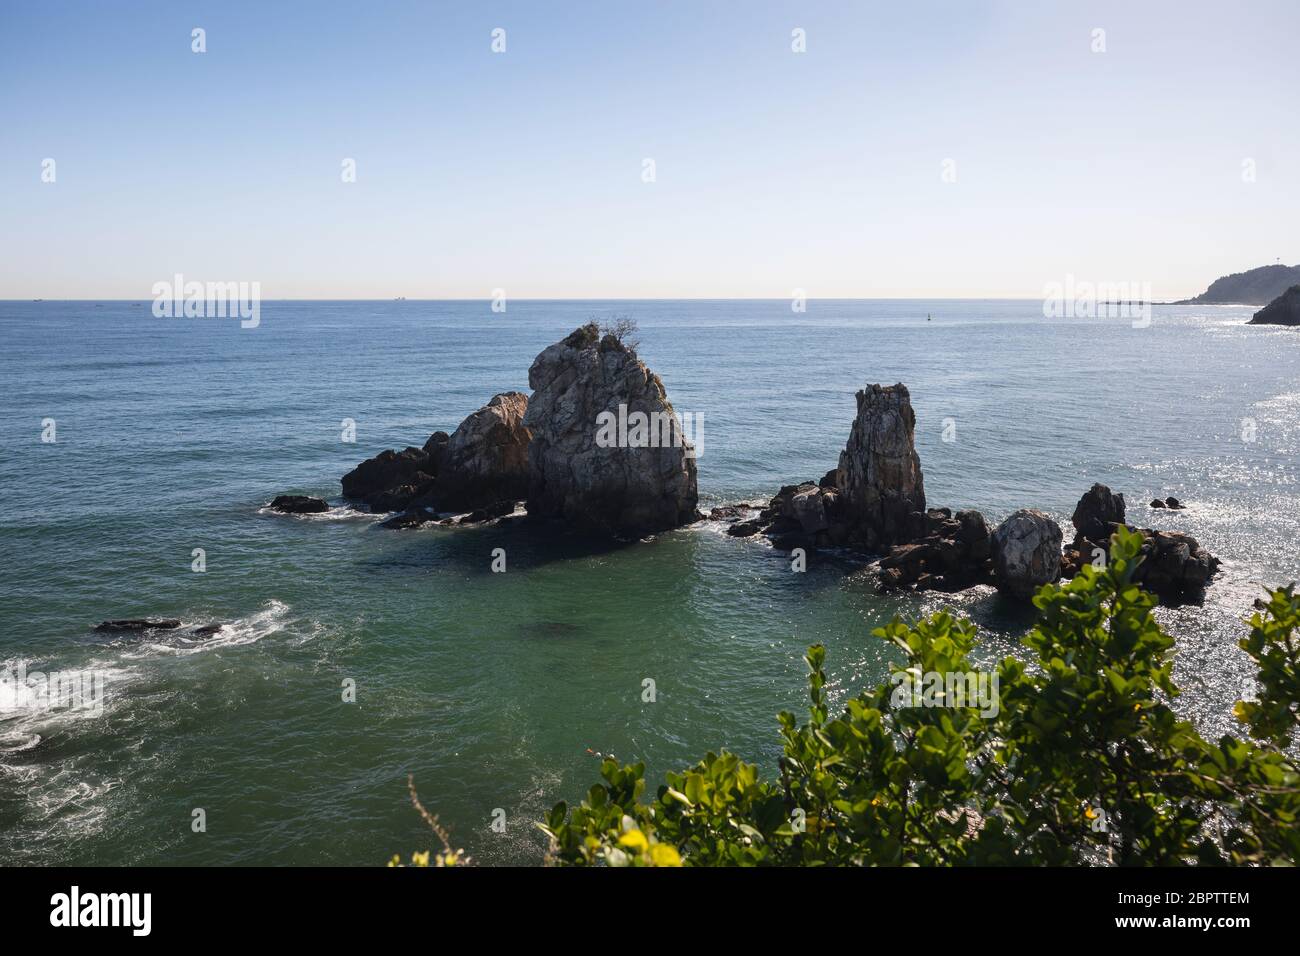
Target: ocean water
[172,435]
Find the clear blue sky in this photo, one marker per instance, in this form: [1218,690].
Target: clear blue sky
[522,170]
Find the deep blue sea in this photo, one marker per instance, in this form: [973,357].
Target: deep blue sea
[171,435]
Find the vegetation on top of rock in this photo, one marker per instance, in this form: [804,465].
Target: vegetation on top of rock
[623,329]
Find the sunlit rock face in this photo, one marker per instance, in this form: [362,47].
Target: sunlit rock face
[590,465]
[879,472]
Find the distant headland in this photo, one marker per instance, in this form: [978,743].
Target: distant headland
[1253,287]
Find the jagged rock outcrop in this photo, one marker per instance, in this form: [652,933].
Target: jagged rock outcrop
[875,498]
[1026,551]
[806,515]
[1173,564]
[391,480]
[1097,512]
[484,461]
[1284,310]
[952,552]
[607,451]
[879,471]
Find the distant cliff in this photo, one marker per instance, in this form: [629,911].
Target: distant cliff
[1254,287]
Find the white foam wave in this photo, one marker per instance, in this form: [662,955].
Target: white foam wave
[343,512]
[245,630]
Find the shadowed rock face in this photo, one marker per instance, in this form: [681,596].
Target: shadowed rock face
[1097,512]
[486,459]
[1284,310]
[879,472]
[624,491]
[389,475]
[952,552]
[298,505]
[1026,553]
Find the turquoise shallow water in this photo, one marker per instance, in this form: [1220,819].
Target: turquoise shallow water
[173,433]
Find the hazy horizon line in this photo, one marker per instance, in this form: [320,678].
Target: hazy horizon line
[716,298]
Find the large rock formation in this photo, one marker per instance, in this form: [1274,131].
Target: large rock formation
[879,472]
[1026,553]
[592,463]
[875,497]
[484,461]
[1284,310]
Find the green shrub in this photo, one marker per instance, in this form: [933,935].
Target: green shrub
[1080,761]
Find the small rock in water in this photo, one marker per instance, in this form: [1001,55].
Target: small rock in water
[729,512]
[1157,503]
[207,630]
[298,505]
[497,509]
[1172,502]
[408,519]
[138,624]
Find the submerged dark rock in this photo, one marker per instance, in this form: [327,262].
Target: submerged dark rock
[138,624]
[498,509]
[298,505]
[411,518]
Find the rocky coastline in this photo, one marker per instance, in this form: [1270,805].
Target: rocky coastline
[548,458]
[874,502]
